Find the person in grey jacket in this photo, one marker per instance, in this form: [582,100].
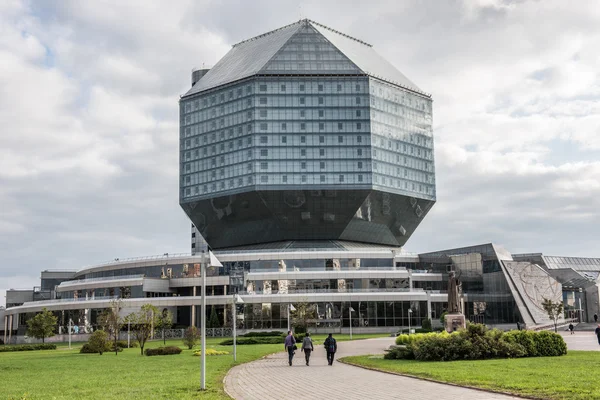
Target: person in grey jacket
[307,347]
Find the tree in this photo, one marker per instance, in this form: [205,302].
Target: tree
[301,315]
[99,341]
[554,310]
[42,325]
[164,321]
[213,321]
[143,323]
[111,322]
[191,337]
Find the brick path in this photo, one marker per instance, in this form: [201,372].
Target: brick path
[272,379]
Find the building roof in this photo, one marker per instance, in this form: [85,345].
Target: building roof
[275,52]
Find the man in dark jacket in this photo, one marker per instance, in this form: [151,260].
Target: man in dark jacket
[598,333]
[331,347]
[290,346]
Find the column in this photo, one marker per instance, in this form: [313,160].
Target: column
[410,281]
[429,305]
[5,327]
[193,307]
[10,327]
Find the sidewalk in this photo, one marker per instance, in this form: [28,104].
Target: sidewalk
[272,379]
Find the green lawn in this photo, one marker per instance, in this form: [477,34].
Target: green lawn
[66,374]
[574,376]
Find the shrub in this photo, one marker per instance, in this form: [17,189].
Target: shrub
[89,349]
[163,351]
[264,334]
[211,352]
[426,324]
[253,340]
[525,339]
[28,347]
[123,344]
[398,353]
[98,342]
[191,336]
[549,344]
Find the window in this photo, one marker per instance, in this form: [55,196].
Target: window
[358,88]
[262,88]
[284,139]
[321,126]
[340,126]
[322,178]
[321,139]
[360,178]
[302,100]
[302,126]
[322,165]
[283,88]
[264,179]
[357,100]
[341,178]
[321,113]
[340,139]
[321,100]
[284,178]
[360,165]
[320,88]
[249,167]
[264,165]
[249,89]
[302,88]
[264,152]
[263,113]
[264,139]
[302,139]
[359,152]
[322,152]
[358,113]
[303,178]
[358,126]
[263,100]
[302,113]
[263,127]
[283,126]
[359,139]
[339,88]
[303,152]
[303,165]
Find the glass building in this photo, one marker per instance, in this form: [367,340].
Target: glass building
[306,163]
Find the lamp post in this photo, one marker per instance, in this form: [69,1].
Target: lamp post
[409,315]
[351,311]
[236,300]
[580,309]
[70,324]
[213,262]
[290,309]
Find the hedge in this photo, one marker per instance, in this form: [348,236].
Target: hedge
[253,340]
[264,334]
[88,349]
[163,351]
[477,342]
[28,347]
[211,352]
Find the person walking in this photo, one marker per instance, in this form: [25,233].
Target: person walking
[307,347]
[331,347]
[597,331]
[290,346]
[571,327]
[596,318]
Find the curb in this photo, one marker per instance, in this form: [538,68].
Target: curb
[343,361]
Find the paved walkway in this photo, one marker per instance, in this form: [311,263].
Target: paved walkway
[580,340]
[271,378]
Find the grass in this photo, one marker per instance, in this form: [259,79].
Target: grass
[66,374]
[574,376]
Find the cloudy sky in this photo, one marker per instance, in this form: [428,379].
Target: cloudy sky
[89,127]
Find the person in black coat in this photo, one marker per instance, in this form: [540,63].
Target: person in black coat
[597,331]
[331,347]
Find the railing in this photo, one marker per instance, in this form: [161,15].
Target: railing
[42,302]
[301,291]
[383,269]
[106,278]
[137,259]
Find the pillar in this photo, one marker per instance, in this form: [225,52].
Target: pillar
[429,305]
[10,327]
[5,327]
[193,307]
[410,282]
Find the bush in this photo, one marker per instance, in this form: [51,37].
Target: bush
[163,351]
[264,334]
[89,349]
[476,342]
[211,352]
[28,347]
[253,340]
[123,344]
[426,324]
[191,336]
[98,342]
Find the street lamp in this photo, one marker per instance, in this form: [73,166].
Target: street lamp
[409,315]
[290,309]
[236,300]
[213,262]
[351,311]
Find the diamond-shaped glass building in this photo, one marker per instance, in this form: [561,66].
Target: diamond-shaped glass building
[305,133]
